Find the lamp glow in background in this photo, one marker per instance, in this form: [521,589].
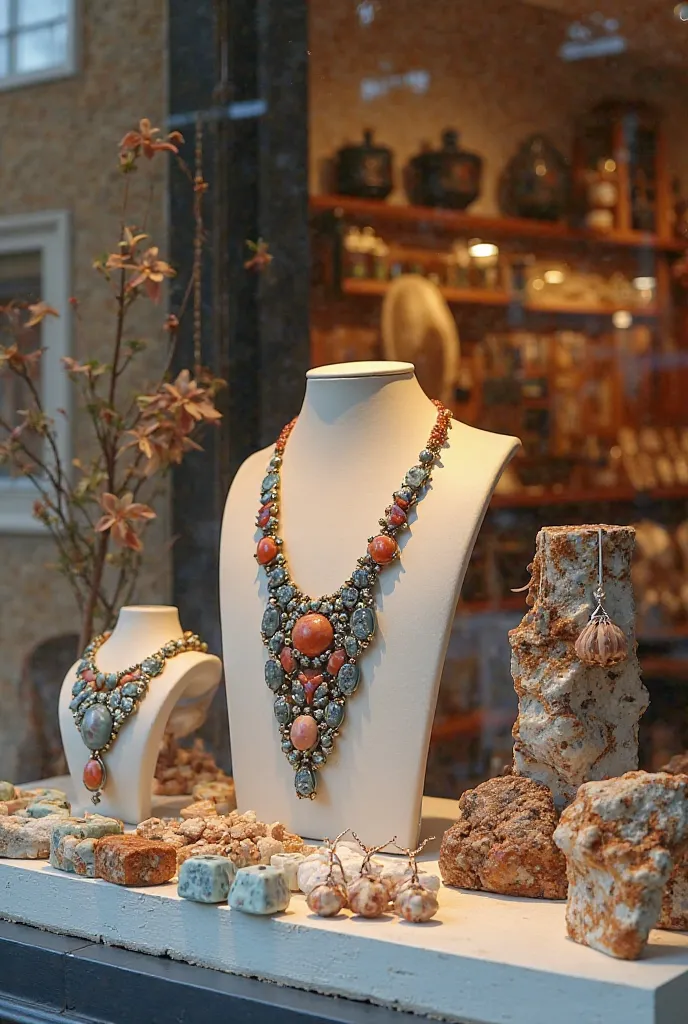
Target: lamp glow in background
[538,284]
[622,319]
[554,276]
[644,284]
[482,250]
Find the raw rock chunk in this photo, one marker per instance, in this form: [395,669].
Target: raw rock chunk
[502,841]
[622,838]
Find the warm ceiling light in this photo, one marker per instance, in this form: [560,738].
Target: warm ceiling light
[610,166]
[554,276]
[622,319]
[644,284]
[538,284]
[482,250]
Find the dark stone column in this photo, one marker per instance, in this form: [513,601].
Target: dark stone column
[243,65]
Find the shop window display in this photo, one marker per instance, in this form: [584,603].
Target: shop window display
[551,219]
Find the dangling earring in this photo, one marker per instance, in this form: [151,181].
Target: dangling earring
[413,901]
[328,898]
[601,642]
[368,894]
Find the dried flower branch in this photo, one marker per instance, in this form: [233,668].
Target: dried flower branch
[92,509]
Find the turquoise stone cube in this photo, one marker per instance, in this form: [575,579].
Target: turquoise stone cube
[260,889]
[206,879]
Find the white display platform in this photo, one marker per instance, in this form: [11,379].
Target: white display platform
[485,958]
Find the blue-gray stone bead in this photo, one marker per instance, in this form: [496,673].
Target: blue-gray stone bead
[305,782]
[363,623]
[334,712]
[416,476]
[269,481]
[282,711]
[206,879]
[259,889]
[271,620]
[274,674]
[96,727]
[348,678]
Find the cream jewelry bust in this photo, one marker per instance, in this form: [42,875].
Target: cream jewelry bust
[140,632]
[360,428]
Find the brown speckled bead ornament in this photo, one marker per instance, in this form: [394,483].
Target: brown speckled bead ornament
[601,642]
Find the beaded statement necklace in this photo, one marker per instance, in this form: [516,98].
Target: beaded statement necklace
[103,701]
[315,645]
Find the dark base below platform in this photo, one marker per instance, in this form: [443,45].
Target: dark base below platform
[55,979]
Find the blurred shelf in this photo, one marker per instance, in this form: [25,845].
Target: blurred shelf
[454,222]
[510,603]
[495,297]
[530,499]
[668,668]
[471,723]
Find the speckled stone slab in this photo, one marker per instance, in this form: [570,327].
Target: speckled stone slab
[575,722]
[26,837]
[93,827]
[260,889]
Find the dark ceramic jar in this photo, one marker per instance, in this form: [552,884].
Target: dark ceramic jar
[447,177]
[537,181]
[364,170]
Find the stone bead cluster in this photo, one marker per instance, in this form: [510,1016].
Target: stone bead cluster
[102,701]
[314,645]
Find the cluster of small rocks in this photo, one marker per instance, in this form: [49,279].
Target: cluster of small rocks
[240,837]
[32,803]
[211,798]
[180,769]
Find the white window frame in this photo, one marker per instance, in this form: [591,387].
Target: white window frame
[66,70]
[49,234]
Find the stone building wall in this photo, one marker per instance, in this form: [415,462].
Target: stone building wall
[58,150]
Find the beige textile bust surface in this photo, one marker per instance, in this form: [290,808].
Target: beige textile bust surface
[361,427]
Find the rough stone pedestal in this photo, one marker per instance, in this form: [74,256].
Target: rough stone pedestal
[621,839]
[575,722]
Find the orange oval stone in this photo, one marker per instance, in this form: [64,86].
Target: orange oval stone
[93,775]
[287,659]
[266,550]
[304,732]
[382,549]
[312,634]
[336,661]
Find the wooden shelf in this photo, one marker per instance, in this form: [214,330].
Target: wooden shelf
[493,297]
[530,499]
[471,723]
[472,225]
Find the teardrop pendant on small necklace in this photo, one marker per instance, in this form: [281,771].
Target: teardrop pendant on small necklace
[95,777]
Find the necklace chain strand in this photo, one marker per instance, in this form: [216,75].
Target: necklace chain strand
[314,645]
[103,701]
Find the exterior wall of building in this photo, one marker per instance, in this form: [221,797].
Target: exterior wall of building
[58,150]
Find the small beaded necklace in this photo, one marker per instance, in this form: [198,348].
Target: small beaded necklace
[315,645]
[103,701]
